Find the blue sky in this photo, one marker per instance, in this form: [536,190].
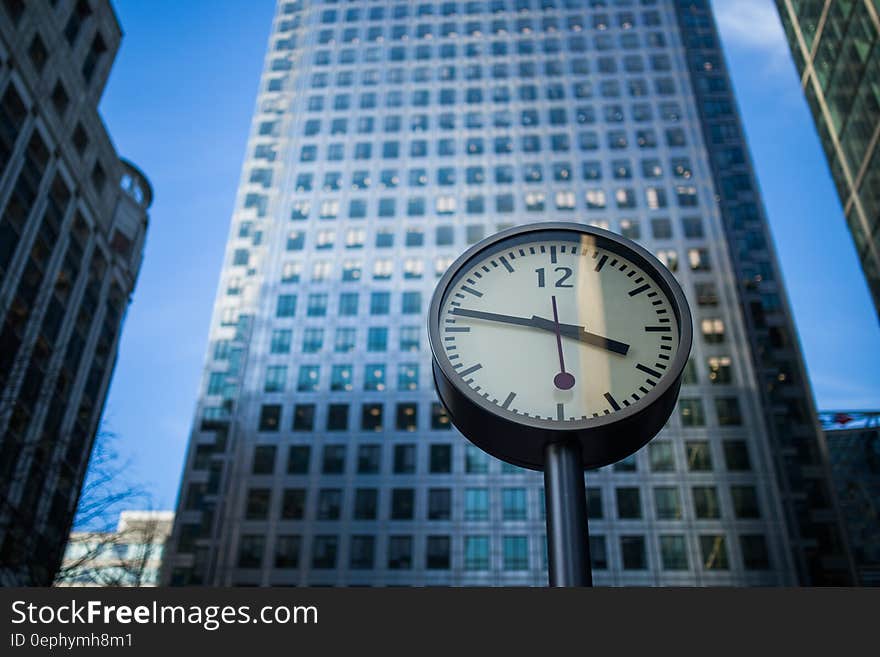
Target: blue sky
[179,103]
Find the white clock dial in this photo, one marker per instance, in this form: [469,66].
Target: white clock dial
[557,329]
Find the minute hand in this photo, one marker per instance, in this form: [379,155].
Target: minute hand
[568,330]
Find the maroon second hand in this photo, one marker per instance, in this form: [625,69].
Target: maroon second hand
[563,380]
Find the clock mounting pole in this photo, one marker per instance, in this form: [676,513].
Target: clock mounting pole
[568,539]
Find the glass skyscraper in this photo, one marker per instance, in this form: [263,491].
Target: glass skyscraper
[835,47]
[388,136]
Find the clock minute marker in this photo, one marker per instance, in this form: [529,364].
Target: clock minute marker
[508,400]
[648,370]
[612,401]
[470,370]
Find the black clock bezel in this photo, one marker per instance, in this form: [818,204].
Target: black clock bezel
[521,440]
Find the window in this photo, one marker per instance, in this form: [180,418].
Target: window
[270,417]
[699,457]
[380,303]
[437,553]
[669,257]
[515,552]
[400,552]
[476,552]
[439,417]
[309,376]
[736,455]
[628,503]
[371,417]
[404,459]
[698,259]
[440,461]
[407,417]
[691,411]
[476,461]
[594,502]
[286,305]
[340,378]
[402,503]
[374,376]
[439,503]
[337,417]
[409,338]
[304,417]
[713,550]
[513,503]
[408,376]
[667,502]
[313,340]
[377,338]
[293,504]
[348,304]
[713,330]
[365,503]
[412,303]
[706,502]
[333,459]
[257,504]
[287,548]
[632,550]
[754,552]
[345,339]
[595,199]
[369,458]
[324,551]
[661,456]
[727,410]
[276,376]
[250,551]
[720,369]
[362,552]
[745,502]
[329,504]
[476,504]
[298,459]
[474,233]
[673,553]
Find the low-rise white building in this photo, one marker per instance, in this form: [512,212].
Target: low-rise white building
[129,556]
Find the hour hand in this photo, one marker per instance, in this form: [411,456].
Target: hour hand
[583,335]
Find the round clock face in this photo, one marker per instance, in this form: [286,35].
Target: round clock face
[559,329]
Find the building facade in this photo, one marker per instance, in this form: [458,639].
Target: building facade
[387,137]
[129,556]
[854,449]
[73,217]
[835,47]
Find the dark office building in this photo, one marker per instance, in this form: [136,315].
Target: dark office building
[836,50]
[73,217]
[854,449]
[820,552]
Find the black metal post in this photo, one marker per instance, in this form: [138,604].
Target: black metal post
[568,539]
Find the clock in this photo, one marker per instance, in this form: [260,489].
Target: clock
[558,332]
